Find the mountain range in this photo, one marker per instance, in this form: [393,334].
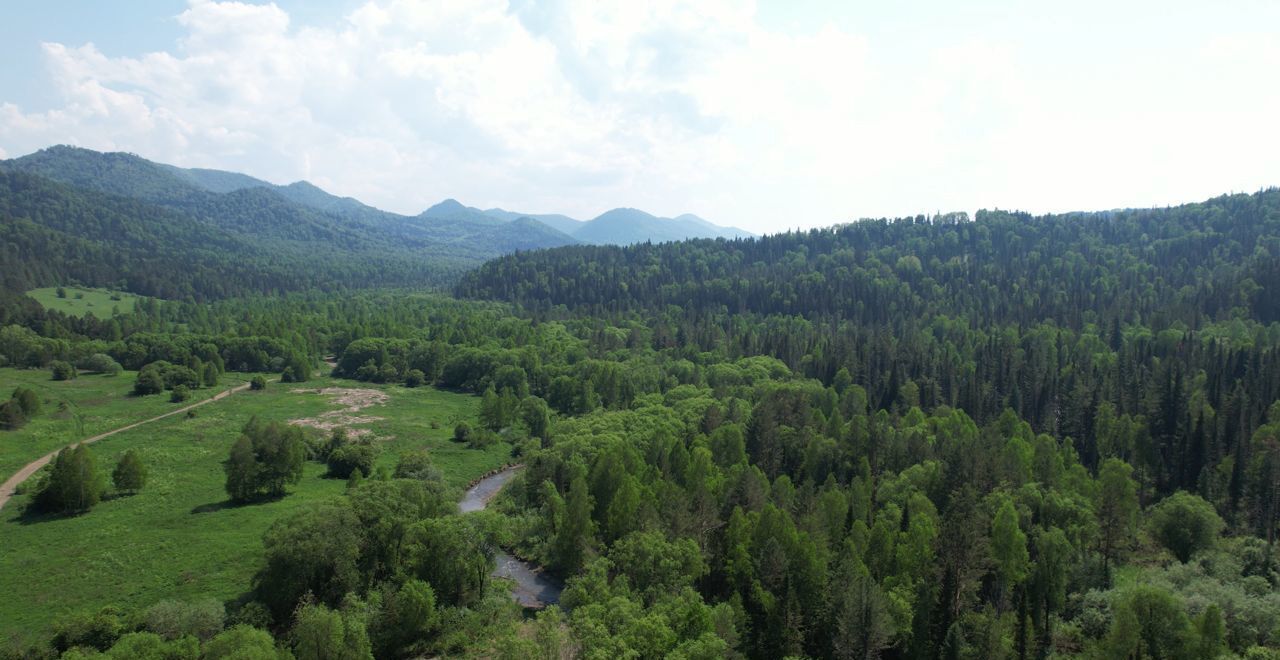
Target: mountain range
[118,220]
[493,230]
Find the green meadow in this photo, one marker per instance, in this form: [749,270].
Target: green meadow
[179,537]
[80,301]
[72,410]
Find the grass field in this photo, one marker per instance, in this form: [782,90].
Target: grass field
[72,410]
[178,538]
[81,301]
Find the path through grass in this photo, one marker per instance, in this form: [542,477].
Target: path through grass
[178,538]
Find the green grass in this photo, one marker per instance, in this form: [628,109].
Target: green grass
[81,301]
[178,538]
[71,410]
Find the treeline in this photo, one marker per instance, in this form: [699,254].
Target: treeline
[1199,262]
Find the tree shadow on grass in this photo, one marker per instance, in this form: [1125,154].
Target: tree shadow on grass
[214,507]
[34,515]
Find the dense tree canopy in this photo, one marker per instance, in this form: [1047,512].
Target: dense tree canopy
[1012,437]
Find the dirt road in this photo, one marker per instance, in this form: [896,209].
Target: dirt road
[10,485]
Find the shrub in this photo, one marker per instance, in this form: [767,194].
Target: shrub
[27,400]
[63,370]
[415,378]
[101,363]
[11,417]
[350,457]
[98,631]
[180,394]
[258,383]
[416,464]
[462,432]
[130,474]
[149,381]
[1185,524]
[172,619]
[481,439]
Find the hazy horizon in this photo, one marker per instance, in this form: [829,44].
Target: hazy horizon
[765,117]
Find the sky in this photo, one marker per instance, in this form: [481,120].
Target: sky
[765,115]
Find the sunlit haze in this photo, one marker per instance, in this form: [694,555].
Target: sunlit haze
[766,116]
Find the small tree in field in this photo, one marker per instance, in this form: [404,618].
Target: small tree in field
[73,485]
[130,474]
[265,458]
[63,370]
[462,432]
[180,394]
[258,383]
[11,417]
[28,401]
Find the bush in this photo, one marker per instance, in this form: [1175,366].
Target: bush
[63,370]
[481,439]
[27,400]
[241,642]
[160,375]
[416,464]
[98,631]
[172,619]
[130,474]
[180,394]
[462,432]
[11,417]
[149,381]
[1185,524]
[415,378]
[258,383]
[100,363]
[297,370]
[350,457]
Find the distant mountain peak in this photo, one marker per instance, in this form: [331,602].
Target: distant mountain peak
[449,206]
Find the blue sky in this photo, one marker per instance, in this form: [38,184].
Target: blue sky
[767,115]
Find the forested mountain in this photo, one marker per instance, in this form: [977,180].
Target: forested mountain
[557,221]
[1152,330]
[250,236]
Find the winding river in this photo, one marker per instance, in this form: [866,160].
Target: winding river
[533,588]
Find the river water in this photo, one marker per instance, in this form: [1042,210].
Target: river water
[533,588]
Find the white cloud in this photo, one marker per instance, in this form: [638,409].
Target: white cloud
[577,106]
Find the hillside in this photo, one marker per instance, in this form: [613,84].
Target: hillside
[134,223]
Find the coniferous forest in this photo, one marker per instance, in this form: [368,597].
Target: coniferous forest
[1006,436]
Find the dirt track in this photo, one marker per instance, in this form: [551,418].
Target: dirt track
[12,483]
